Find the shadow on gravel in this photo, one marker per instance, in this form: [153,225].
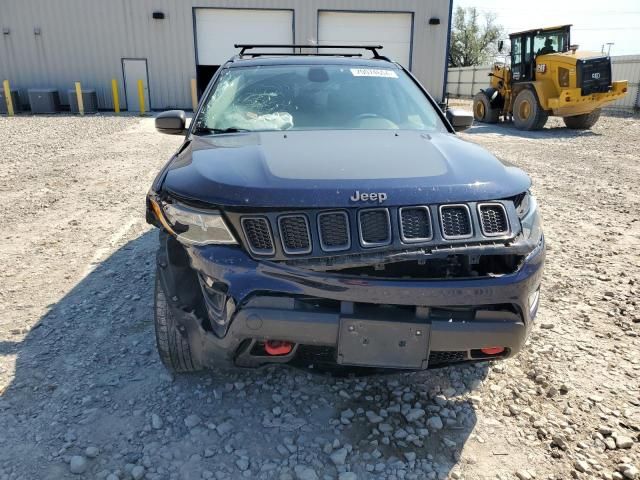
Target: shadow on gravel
[88,375]
[509,130]
[8,347]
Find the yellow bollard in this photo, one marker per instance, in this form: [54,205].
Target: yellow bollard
[194,95]
[79,97]
[7,97]
[116,99]
[141,96]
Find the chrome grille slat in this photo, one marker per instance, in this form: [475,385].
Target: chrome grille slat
[415,224]
[493,219]
[456,221]
[333,229]
[374,227]
[294,234]
[258,234]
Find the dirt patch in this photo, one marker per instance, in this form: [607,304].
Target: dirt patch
[82,389]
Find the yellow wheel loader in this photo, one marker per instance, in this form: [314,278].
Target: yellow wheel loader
[548,76]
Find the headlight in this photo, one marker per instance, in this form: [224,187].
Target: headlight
[530,218]
[523,203]
[196,226]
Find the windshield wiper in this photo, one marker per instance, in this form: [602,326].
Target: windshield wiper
[207,130]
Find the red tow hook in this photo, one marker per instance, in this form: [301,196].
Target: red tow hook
[492,350]
[278,347]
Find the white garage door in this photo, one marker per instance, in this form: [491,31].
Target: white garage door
[391,30]
[217,30]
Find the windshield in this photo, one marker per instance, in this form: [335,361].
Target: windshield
[312,97]
[550,42]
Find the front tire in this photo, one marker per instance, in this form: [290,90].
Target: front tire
[482,110]
[527,112]
[173,346]
[584,121]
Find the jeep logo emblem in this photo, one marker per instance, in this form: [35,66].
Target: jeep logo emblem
[368,196]
[595,76]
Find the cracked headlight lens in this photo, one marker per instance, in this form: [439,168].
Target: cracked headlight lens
[530,218]
[195,226]
[523,203]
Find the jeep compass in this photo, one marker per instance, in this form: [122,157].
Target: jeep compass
[322,206]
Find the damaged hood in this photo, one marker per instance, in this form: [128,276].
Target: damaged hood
[326,168]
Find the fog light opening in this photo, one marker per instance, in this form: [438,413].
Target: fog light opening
[277,347]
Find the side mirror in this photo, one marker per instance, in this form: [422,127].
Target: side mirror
[171,122]
[459,119]
[500,46]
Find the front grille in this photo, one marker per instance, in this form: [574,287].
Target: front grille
[258,234]
[493,219]
[594,75]
[415,224]
[334,231]
[456,221]
[324,233]
[294,231]
[375,228]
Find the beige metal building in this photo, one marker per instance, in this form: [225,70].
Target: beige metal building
[166,43]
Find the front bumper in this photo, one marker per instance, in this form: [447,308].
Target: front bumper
[571,102]
[272,301]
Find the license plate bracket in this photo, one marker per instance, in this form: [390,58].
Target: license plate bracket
[383,343]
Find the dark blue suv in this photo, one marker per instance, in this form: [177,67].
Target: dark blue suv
[322,209]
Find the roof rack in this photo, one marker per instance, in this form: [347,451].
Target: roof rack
[372,48]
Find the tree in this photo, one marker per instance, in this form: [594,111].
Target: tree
[473,43]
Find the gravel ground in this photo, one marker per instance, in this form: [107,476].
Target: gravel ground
[83,393]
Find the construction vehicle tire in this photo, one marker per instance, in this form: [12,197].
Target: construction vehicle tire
[584,121]
[482,110]
[527,112]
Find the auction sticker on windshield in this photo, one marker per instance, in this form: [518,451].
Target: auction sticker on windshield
[373,72]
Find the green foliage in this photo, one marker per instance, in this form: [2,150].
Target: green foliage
[473,42]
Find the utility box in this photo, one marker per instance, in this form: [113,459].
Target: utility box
[15,98]
[44,100]
[89,100]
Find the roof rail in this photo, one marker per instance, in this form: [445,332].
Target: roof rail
[372,48]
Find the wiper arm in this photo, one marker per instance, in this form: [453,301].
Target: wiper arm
[207,130]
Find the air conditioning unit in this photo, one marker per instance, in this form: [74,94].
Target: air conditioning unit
[44,100]
[15,99]
[89,100]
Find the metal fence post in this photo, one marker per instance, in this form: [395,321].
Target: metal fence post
[194,95]
[7,97]
[116,98]
[473,81]
[141,96]
[79,97]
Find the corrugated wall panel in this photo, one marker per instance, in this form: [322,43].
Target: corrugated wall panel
[627,67]
[85,40]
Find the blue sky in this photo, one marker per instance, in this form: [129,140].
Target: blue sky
[594,22]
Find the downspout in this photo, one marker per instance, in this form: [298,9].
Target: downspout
[446,58]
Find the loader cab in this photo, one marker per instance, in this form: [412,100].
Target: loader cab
[527,46]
